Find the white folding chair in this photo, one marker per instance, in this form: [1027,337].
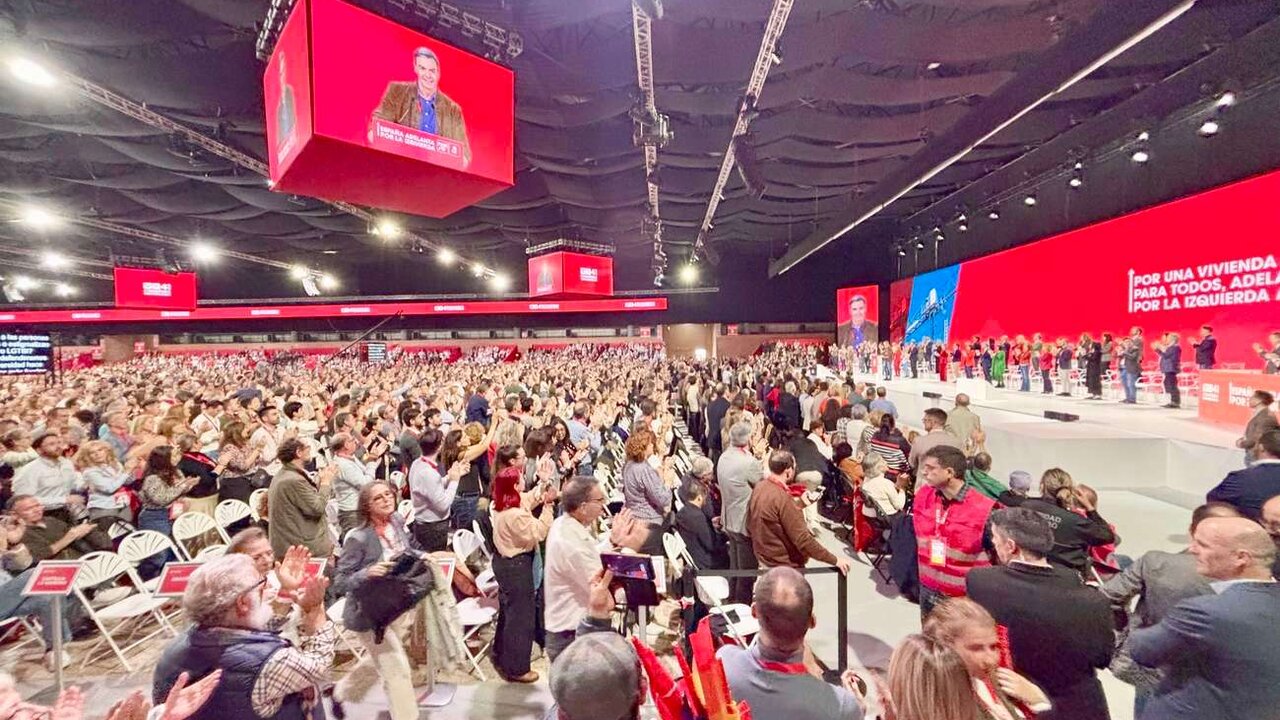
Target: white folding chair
[193,525]
[30,628]
[255,504]
[209,553]
[475,613]
[140,545]
[122,620]
[465,544]
[345,636]
[712,591]
[230,512]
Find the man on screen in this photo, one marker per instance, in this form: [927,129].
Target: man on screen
[421,106]
[286,109]
[860,330]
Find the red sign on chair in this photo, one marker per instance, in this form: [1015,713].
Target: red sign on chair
[53,577]
[315,568]
[174,578]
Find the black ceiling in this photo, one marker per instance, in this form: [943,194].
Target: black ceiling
[852,102]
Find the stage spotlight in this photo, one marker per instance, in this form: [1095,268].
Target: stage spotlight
[933,66]
[963,227]
[297,272]
[205,253]
[1029,201]
[1209,128]
[901,251]
[938,236]
[919,244]
[12,293]
[775,58]
[328,282]
[387,228]
[689,274]
[477,269]
[445,256]
[329,252]
[993,215]
[40,218]
[64,290]
[1140,156]
[501,282]
[22,282]
[1144,136]
[271,184]
[30,72]
[54,260]
[1227,99]
[1075,181]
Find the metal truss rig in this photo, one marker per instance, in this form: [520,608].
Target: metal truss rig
[765,61]
[650,140]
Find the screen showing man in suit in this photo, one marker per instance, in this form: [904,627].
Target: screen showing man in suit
[419,104]
[856,311]
[286,108]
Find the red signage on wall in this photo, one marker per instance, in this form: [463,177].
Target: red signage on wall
[414,124]
[142,288]
[278,312]
[570,273]
[1224,395]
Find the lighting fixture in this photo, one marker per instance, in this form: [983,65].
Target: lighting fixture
[477,269]
[204,252]
[271,183]
[329,252]
[919,244]
[387,228]
[501,282]
[30,72]
[689,274]
[1210,128]
[1227,99]
[328,282]
[901,251]
[1144,136]
[1029,200]
[1075,181]
[64,290]
[933,66]
[963,227]
[938,236]
[994,214]
[309,286]
[297,272]
[1140,156]
[776,58]
[445,256]
[54,260]
[40,218]
[22,282]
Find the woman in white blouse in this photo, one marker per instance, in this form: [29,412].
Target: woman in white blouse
[888,496]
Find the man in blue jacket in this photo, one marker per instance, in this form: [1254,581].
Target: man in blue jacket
[1170,362]
[1221,651]
[1206,348]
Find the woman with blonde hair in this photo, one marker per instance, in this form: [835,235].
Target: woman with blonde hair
[1077,526]
[928,681]
[969,630]
[105,476]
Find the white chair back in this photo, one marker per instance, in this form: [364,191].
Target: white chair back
[671,545]
[192,525]
[210,553]
[100,568]
[229,512]
[142,544]
[255,504]
[465,543]
[406,510]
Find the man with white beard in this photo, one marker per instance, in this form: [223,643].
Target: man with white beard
[263,674]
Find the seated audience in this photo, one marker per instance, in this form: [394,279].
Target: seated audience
[1076,524]
[979,477]
[1220,652]
[1247,489]
[890,497]
[1271,523]
[47,537]
[50,478]
[16,566]
[890,443]
[706,548]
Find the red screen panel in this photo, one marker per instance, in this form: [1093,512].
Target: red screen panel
[145,289]
[383,86]
[857,310]
[287,92]
[570,273]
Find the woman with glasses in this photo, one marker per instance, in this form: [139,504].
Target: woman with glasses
[366,555]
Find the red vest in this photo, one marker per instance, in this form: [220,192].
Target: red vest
[959,526]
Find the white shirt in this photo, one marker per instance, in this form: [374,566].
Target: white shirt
[269,440]
[50,481]
[573,558]
[207,430]
[885,494]
[432,495]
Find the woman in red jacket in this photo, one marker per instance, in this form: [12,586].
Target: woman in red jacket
[1046,367]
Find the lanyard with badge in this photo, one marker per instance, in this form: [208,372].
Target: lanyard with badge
[938,545]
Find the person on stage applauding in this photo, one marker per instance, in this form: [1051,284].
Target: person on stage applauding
[1271,357]
[1170,361]
[1206,348]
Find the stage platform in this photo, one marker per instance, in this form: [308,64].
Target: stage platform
[1169,454]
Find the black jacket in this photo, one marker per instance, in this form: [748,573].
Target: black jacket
[789,410]
[716,410]
[1206,352]
[705,547]
[1249,488]
[1073,534]
[1060,633]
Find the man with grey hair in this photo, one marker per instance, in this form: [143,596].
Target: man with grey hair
[352,475]
[598,676]
[789,407]
[573,556]
[765,673]
[263,674]
[737,472]
[421,106]
[1223,648]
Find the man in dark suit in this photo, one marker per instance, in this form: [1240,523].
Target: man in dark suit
[789,406]
[1262,421]
[1206,348]
[421,106]
[706,548]
[860,329]
[1221,652]
[1170,362]
[1060,632]
[1249,488]
[716,410]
